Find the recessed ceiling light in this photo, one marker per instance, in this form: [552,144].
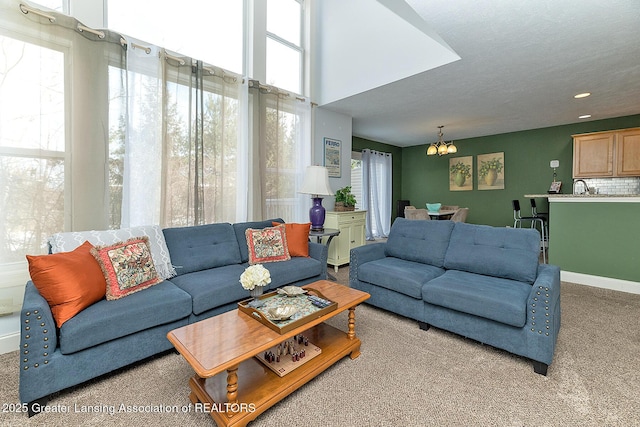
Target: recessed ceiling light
[582,95]
[584,116]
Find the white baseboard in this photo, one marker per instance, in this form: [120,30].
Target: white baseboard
[9,343]
[601,282]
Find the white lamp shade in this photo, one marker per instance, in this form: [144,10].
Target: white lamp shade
[316,181]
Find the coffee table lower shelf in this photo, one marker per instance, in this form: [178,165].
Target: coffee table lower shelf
[258,388]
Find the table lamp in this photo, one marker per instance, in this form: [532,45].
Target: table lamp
[316,183]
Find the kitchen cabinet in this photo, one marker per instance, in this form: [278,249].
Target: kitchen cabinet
[351,225]
[628,152]
[607,154]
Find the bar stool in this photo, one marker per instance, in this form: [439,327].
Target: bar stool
[534,221]
[543,215]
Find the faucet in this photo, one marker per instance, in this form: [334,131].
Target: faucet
[586,187]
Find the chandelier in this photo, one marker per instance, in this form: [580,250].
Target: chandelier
[441,148]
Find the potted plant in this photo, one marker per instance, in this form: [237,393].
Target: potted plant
[490,169]
[460,172]
[345,201]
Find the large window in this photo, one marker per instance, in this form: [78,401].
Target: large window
[32,147]
[208,30]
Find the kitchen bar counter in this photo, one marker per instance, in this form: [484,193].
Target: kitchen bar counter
[591,197]
[595,239]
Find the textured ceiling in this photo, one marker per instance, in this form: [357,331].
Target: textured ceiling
[521,64]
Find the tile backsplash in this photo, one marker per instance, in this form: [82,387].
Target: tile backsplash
[629,185]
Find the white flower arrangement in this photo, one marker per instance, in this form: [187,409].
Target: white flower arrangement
[255,275]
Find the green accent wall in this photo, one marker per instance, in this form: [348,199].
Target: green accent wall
[526,156]
[359,144]
[600,239]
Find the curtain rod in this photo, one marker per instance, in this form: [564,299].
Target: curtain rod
[98,33]
[26,9]
[273,89]
[175,58]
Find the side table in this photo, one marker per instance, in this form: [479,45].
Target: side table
[326,232]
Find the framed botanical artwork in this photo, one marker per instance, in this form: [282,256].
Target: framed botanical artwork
[332,148]
[461,173]
[491,171]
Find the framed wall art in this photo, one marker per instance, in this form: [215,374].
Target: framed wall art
[332,151]
[461,174]
[491,171]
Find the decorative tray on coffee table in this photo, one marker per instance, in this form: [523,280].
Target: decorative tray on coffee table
[287,308]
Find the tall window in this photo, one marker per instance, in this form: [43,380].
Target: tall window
[32,147]
[285,51]
[208,30]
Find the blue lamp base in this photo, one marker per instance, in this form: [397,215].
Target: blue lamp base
[317,214]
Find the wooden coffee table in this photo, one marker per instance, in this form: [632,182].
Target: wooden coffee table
[235,387]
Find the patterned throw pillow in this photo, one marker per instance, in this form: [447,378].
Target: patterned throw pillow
[267,245]
[127,266]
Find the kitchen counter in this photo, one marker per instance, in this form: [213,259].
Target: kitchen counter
[587,197]
[595,239]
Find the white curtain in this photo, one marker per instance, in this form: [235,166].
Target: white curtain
[282,150]
[176,129]
[376,189]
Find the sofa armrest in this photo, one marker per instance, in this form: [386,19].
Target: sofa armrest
[318,251]
[543,311]
[38,334]
[362,255]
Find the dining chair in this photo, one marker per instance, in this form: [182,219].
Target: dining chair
[402,204]
[449,207]
[460,215]
[533,221]
[416,214]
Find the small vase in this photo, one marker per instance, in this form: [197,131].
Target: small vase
[256,292]
[491,176]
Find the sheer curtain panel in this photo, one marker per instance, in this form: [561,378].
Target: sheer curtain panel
[376,189]
[282,150]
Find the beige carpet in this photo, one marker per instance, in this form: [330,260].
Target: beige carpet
[405,377]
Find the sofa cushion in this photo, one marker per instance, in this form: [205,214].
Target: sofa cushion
[214,287]
[240,228]
[399,275]
[69,281]
[267,244]
[501,300]
[294,270]
[421,241]
[202,247]
[510,253]
[108,320]
[127,267]
[297,238]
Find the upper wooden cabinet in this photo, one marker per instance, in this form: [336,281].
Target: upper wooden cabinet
[628,152]
[607,154]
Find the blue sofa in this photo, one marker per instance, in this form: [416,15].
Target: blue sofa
[481,282]
[108,335]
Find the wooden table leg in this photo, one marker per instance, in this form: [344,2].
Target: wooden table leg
[232,384]
[352,323]
[355,352]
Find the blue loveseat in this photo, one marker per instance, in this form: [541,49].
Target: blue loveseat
[477,281]
[108,335]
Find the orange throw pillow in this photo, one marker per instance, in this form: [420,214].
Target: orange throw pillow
[297,238]
[69,281]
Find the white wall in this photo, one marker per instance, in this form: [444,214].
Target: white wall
[354,54]
[328,124]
